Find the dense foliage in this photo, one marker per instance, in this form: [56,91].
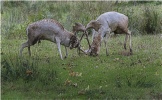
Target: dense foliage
[144,17]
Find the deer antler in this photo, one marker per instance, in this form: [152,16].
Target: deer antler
[80,27]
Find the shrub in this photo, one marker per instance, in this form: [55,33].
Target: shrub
[151,20]
[26,69]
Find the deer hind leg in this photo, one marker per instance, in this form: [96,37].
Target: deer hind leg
[125,42]
[29,51]
[66,53]
[128,35]
[26,44]
[130,42]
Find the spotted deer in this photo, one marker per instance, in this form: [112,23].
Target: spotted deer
[50,30]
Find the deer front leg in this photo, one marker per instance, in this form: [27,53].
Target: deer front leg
[105,41]
[59,47]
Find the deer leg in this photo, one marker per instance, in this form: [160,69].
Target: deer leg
[105,41]
[66,53]
[29,51]
[26,44]
[130,42]
[126,38]
[59,47]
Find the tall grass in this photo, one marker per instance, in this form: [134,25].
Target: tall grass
[151,20]
[16,18]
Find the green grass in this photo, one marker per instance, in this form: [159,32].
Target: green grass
[45,76]
[83,77]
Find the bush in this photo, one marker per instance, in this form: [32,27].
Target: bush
[151,20]
[26,69]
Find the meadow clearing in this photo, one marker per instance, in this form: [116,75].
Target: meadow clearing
[45,76]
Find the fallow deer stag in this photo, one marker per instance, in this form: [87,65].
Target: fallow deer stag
[51,30]
[105,24]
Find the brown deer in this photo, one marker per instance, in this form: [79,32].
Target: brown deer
[51,30]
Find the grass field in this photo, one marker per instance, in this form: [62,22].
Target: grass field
[46,76]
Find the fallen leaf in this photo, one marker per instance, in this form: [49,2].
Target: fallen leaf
[116,59]
[100,87]
[81,92]
[29,72]
[73,74]
[87,88]
[79,74]
[68,82]
[75,84]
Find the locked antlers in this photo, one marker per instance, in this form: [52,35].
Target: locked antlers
[79,27]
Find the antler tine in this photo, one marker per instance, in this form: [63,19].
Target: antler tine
[87,39]
[78,27]
[80,49]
